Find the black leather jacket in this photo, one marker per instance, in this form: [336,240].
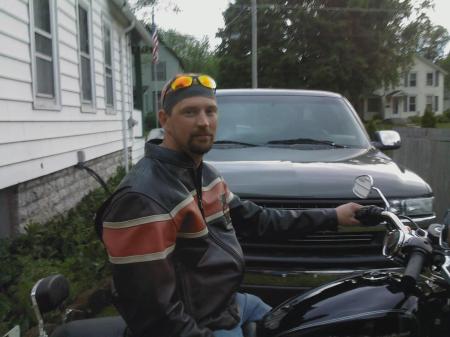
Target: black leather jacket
[169,231]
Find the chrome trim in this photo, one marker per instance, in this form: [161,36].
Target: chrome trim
[446,269]
[321,272]
[37,312]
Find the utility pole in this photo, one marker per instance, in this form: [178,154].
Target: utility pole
[254,47]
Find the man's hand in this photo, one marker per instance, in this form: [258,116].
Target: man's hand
[346,214]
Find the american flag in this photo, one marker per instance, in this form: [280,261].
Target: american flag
[155,51]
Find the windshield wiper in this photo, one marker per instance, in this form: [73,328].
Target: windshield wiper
[306,141]
[234,142]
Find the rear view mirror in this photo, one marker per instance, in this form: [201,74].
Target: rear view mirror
[388,140]
[362,186]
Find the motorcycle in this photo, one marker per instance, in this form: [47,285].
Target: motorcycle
[412,303]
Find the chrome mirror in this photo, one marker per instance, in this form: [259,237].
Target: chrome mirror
[362,186]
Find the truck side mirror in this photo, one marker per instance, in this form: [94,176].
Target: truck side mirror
[387,140]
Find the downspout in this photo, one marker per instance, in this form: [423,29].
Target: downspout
[122,89]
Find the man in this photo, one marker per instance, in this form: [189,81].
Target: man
[169,229]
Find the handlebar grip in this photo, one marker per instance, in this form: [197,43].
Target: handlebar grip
[369,215]
[414,267]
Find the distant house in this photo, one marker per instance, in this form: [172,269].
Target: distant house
[420,87]
[66,96]
[169,65]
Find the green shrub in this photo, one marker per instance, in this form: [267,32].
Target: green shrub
[443,118]
[415,119]
[428,119]
[66,245]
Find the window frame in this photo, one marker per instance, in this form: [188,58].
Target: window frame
[410,104]
[42,101]
[431,97]
[415,79]
[86,106]
[106,23]
[429,81]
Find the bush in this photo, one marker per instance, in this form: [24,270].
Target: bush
[415,119]
[66,245]
[428,119]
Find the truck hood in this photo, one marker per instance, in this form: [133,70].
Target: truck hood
[284,172]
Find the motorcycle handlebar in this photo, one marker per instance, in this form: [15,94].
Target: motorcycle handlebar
[369,215]
[414,267]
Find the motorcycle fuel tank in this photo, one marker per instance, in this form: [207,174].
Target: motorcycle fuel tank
[372,304]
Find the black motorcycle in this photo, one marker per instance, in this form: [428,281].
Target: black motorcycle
[376,303]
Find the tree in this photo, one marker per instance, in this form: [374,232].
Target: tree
[428,119]
[349,46]
[445,64]
[432,41]
[194,54]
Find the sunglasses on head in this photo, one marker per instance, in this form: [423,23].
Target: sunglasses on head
[186,81]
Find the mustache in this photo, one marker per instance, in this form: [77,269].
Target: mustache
[200,134]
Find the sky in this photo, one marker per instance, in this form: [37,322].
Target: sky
[204,17]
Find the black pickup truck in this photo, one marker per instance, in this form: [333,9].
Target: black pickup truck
[298,149]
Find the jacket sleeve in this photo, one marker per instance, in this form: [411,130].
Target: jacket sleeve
[250,219]
[139,236]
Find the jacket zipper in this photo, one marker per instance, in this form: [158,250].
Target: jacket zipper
[184,289]
[230,250]
[227,248]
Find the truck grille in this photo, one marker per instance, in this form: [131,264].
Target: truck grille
[350,247]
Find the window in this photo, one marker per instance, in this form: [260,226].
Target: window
[436,103]
[160,71]
[109,87]
[412,79]
[412,103]
[44,65]
[429,105]
[85,55]
[429,78]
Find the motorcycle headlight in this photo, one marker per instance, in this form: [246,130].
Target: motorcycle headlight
[411,207]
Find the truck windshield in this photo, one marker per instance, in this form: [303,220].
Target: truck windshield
[278,119]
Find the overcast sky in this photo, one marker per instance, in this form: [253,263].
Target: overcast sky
[204,17]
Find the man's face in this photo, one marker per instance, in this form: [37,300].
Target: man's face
[191,126]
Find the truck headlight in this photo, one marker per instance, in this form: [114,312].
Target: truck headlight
[411,207]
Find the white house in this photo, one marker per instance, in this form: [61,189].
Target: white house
[420,87]
[66,94]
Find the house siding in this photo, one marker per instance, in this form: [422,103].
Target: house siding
[40,142]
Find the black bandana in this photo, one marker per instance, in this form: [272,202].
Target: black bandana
[173,97]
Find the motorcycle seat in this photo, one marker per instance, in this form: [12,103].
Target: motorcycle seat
[95,327]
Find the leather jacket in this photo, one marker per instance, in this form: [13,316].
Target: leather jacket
[169,230]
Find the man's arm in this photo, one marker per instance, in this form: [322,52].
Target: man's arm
[140,235]
[251,219]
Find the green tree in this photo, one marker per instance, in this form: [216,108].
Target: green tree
[428,119]
[432,41]
[349,46]
[194,54]
[445,64]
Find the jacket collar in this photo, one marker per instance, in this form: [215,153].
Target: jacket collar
[152,150]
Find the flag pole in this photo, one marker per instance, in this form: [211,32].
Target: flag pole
[154,61]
